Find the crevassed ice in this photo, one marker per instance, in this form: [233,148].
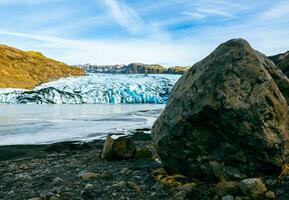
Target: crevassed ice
[96,88]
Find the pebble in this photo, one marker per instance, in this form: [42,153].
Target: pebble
[107,175]
[270,195]
[138,177]
[89,186]
[153,194]
[224,188]
[180,195]
[88,175]
[54,198]
[124,170]
[120,184]
[134,186]
[189,187]
[228,197]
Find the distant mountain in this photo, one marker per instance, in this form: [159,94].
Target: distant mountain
[282,61]
[133,68]
[26,69]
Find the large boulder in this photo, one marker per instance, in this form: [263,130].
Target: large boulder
[226,117]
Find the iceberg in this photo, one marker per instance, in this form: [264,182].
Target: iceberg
[96,89]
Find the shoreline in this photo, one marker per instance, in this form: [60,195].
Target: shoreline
[55,171]
[75,171]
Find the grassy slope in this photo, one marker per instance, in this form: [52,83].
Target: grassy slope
[21,69]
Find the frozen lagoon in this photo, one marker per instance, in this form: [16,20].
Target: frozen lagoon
[42,124]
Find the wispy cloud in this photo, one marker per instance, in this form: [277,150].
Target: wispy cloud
[211,8]
[278,11]
[171,32]
[124,15]
[109,51]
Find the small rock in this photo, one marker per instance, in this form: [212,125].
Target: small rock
[138,177]
[253,187]
[24,167]
[134,186]
[89,186]
[228,197]
[189,187]
[137,172]
[88,175]
[120,184]
[118,149]
[107,175]
[124,170]
[227,187]
[180,195]
[54,198]
[153,194]
[270,195]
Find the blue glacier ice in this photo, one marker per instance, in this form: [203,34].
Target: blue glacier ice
[96,89]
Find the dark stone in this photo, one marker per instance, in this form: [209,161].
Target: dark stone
[227,117]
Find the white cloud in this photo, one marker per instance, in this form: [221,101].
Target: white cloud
[194,15]
[216,12]
[124,15]
[108,51]
[211,8]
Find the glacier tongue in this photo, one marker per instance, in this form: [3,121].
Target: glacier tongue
[96,89]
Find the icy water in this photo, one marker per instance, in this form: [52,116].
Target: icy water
[42,124]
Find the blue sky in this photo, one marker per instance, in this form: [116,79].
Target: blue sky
[169,32]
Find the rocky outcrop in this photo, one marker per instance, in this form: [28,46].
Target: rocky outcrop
[227,117]
[281,61]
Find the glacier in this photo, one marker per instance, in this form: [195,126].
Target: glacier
[96,89]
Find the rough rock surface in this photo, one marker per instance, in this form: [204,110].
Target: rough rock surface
[118,149]
[227,117]
[281,61]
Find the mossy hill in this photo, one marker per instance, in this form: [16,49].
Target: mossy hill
[26,69]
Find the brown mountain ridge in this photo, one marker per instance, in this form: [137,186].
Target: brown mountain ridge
[26,69]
